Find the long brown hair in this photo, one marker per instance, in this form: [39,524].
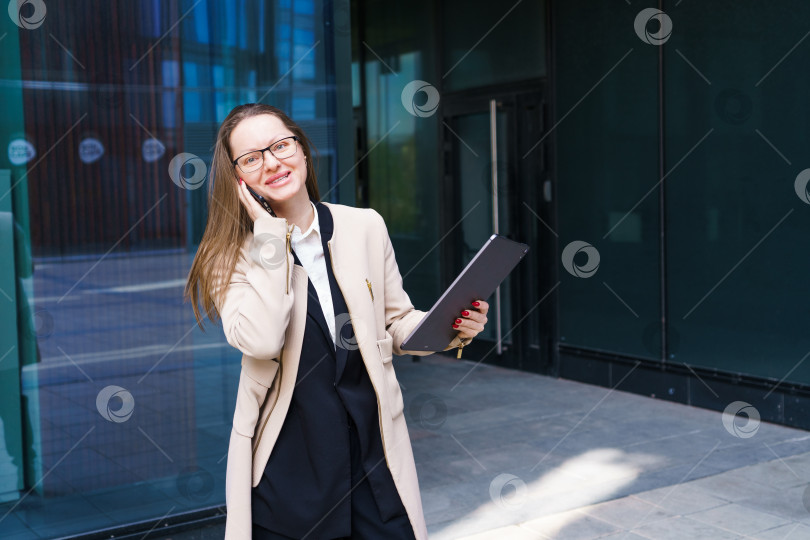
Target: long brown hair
[228,221]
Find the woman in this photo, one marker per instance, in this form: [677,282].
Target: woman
[311,294]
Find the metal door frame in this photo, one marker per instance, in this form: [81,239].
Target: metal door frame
[528,180]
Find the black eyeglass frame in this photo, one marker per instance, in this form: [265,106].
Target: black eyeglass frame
[268,149]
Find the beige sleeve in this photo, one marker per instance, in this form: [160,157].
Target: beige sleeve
[256,307]
[400,315]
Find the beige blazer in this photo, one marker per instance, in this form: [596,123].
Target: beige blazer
[263,315]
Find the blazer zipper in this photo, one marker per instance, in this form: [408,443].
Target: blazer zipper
[461,344]
[281,355]
[376,392]
[273,406]
[367,283]
[286,256]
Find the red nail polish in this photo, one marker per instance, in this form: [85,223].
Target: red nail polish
[465,312]
[455,326]
[458,321]
[476,304]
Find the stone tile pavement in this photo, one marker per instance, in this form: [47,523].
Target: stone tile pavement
[518,455]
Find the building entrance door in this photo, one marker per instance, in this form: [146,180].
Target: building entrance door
[495,180]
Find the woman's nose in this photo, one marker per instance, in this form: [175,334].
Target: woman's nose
[270,161]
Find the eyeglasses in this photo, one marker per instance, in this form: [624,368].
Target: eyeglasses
[281,149]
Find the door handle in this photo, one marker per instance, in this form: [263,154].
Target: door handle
[493,150]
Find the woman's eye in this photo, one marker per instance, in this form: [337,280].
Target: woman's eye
[280,146]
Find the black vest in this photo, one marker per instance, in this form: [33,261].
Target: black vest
[307,480]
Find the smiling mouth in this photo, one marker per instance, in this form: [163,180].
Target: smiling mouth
[279,179]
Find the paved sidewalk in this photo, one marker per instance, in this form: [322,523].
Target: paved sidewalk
[760,501]
[550,458]
[503,454]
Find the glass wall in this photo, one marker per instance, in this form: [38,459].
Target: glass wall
[608,180]
[115,407]
[734,210]
[411,60]
[737,207]
[486,43]
[394,54]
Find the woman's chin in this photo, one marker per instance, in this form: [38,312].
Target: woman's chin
[284,195]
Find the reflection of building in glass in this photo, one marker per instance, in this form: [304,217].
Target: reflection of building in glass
[144,97]
[126,406]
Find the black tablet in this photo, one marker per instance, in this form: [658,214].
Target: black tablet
[479,279]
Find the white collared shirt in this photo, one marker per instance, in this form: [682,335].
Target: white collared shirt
[309,248]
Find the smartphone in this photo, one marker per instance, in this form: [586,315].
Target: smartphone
[261,200]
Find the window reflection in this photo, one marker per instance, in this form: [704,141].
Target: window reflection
[126,405]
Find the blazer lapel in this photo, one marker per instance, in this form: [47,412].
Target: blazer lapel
[314,309]
[339,305]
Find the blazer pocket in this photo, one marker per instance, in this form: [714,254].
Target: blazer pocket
[254,383]
[385,347]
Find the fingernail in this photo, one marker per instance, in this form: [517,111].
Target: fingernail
[458,321]
[476,304]
[465,312]
[455,326]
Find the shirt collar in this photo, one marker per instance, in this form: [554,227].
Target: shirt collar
[314,226]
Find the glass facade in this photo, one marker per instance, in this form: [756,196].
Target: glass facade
[115,407]
[681,165]
[607,194]
[394,46]
[736,225]
[410,67]
[486,44]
